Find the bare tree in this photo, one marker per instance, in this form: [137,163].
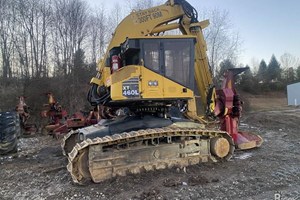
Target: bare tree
[7,27]
[99,34]
[116,16]
[141,4]
[28,19]
[289,64]
[46,20]
[70,22]
[223,43]
[254,63]
[33,20]
[288,60]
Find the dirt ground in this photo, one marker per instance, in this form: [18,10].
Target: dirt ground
[38,170]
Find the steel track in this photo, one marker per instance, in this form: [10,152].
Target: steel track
[99,159]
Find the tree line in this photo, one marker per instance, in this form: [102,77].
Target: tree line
[54,45]
[273,76]
[40,38]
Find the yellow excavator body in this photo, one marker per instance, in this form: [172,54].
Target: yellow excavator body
[147,84]
[155,95]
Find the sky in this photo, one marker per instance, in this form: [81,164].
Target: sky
[266,27]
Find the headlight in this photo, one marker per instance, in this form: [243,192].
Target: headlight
[153,83]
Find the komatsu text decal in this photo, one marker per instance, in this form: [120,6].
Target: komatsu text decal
[145,16]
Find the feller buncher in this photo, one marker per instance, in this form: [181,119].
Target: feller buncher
[156,98]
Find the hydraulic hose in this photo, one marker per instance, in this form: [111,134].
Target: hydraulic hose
[94,98]
[188,9]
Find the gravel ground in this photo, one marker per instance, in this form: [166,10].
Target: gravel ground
[38,170]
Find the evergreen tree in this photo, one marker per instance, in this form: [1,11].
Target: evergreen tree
[262,71]
[224,65]
[247,81]
[79,63]
[82,71]
[298,73]
[79,58]
[274,70]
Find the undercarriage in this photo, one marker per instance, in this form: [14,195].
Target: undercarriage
[177,143]
[151,149]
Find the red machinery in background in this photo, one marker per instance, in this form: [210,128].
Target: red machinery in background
[59,123]
[23,111]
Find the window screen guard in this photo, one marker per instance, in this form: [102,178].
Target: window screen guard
[173,58]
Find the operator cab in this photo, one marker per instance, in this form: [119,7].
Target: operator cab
[172,57]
